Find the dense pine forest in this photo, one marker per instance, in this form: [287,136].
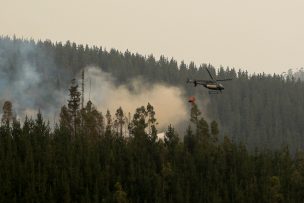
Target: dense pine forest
[89,158]
[242,145]
[258,110]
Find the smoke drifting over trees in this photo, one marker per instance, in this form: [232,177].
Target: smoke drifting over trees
[263,111]
[31,80]
[168,100]
[28,79]
[96,163]
[88,158]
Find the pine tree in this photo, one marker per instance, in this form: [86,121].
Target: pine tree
[120,196]
[74,103]
[119,121]
[92,121]
[189,140]
[108,123]
[275,190]
[66,119]
[151,122]
[171,138]
[7,116]
[214,131]
[202,131]
[139,124]
[195,114]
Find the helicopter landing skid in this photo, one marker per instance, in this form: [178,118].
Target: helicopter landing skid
[215,92]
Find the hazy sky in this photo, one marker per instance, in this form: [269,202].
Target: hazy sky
[257,35]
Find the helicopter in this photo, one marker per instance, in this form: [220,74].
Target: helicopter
[213,84]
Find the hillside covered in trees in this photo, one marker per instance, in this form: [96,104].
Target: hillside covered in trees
[89,158]
[257,110]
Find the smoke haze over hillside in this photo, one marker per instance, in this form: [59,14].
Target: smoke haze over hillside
[167,100]
[33,85]
[29,85]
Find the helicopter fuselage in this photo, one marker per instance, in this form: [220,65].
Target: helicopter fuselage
[214,86]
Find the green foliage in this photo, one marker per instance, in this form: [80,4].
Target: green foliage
[40,165]
[83,159]
[119,196]
[7,115]
[214,131]
[171,138]
[120,121]
[257,110]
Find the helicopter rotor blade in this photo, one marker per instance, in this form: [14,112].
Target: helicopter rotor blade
[224,79]
[210,74]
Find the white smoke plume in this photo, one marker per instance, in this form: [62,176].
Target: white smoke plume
[168,101]
[32,85]
[28,85]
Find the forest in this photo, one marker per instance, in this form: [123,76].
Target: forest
[258,110]
[243,145]
[89,158]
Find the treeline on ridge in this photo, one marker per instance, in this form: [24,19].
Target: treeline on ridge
[257,110]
